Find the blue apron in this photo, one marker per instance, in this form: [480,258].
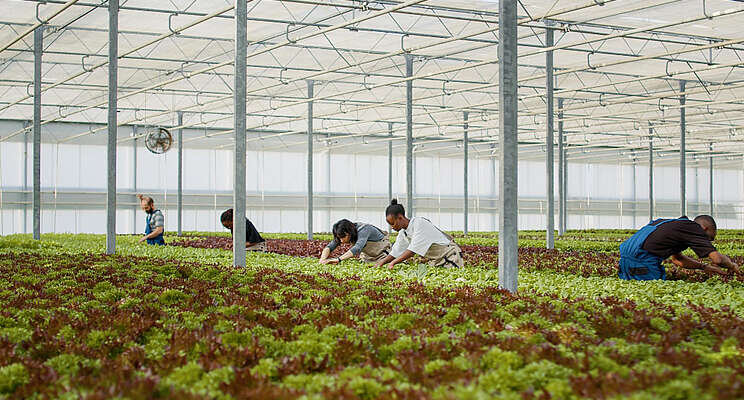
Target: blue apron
[637,263]
[157,239]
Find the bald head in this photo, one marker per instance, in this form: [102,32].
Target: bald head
[708,224]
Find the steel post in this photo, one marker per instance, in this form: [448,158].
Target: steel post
[113,81]
[310,160]
[650,173]
[549,157]
[561,167]
[36,200]
[710,179]
[239,93]
[682,151]
[180,174]
[390,161]
[465,171]
[409,134]
[508,177]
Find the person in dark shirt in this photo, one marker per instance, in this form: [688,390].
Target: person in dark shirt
[253,240]
[642,254]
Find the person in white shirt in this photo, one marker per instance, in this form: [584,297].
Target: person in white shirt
[419,236]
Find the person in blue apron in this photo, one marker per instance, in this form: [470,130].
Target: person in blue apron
[155,222]
[642,254]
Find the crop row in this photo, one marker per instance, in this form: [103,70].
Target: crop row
[95,326]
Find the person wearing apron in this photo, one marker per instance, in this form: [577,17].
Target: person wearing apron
[253,239]
[369,243]
[642,254]
[419,236]
[154,223]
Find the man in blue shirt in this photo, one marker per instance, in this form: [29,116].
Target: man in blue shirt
[155,222]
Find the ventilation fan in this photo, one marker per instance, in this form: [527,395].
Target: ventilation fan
[158,140]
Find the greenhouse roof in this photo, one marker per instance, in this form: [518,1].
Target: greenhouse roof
[619,69]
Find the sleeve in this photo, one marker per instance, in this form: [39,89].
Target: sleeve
[158,219]
[698,241]
[361,241]
[424,234]
[400,245]
[332,246]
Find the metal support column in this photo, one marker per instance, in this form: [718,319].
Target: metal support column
[465,171]
[25,176]
[549,157]
[565,190]
[36,201]
[180,173]
[134,178]
[710,179]
[409,134]
[650,173]
[508,177]
[310,161]
[682,151]
[239,93]
[561,167]
[113,70]
[390,161]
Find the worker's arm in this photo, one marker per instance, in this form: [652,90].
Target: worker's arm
[335,260]
[384,261]
[689,263]
[403,257]
[157,232]
[721,260]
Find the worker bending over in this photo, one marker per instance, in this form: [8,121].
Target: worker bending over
[253,240]
[642,254]
[419,236]
[368,242]
[154,223]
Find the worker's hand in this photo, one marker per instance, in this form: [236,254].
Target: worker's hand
[142,239]
[379,264]
[332,261]
[323,261]
[716,270]
[736,270]
[391,265]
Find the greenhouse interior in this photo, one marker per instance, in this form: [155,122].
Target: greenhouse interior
[438,198]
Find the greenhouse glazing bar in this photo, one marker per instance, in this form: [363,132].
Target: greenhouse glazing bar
[508,134]
[38,49]
[239,186]
[549,143]
[113,80]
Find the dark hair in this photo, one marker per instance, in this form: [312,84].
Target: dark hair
[146,199]
[227,216]
[395,209]
[707,220]
[343,228]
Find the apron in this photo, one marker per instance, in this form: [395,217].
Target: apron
[449,256]
[376,251]
[637,263]
[158,240]
[261,246]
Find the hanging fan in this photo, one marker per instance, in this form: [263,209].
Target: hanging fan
[158,140]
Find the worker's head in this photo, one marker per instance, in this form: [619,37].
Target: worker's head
[227,219]
[395,215]
[708,224]
[146,203]
[345,232]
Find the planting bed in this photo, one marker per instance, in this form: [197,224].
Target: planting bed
[175,322]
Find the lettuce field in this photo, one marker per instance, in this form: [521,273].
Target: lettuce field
[180,322]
